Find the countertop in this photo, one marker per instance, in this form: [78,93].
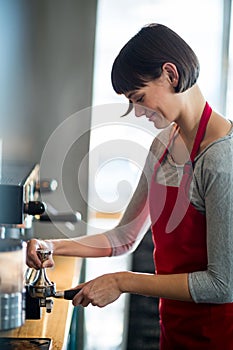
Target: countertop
[54,325]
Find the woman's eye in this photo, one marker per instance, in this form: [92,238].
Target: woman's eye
[140,99]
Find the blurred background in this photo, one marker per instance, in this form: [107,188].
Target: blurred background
[55,62]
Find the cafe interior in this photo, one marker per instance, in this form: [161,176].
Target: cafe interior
[67,168]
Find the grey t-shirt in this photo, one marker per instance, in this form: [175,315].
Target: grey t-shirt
[211,192]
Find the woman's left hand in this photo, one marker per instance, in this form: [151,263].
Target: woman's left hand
[100,291]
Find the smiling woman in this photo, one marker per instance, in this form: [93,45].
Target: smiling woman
[184,210]
[128,17]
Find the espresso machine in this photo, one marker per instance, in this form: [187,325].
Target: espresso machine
[24,291]
[19,199]
[18,205]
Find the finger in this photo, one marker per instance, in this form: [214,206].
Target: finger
[32,259]
[48,263]
[30,263]
[78,299]
[85,302]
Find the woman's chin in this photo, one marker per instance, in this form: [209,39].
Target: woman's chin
[161,124]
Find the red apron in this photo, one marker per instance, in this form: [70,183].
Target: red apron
[179,234]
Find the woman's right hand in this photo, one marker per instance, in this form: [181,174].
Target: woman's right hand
[32,259]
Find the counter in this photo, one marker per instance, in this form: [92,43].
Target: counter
[55,325]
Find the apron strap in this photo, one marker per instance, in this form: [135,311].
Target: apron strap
[188,166]
[179,211]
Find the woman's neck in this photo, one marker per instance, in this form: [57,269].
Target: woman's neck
[192,106]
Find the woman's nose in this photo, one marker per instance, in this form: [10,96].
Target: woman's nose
[139,110]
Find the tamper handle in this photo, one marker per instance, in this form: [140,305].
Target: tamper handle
[43,254]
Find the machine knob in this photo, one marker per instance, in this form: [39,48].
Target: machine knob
[34,208]
[46,185]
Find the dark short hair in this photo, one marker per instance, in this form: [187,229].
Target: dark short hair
[142,58]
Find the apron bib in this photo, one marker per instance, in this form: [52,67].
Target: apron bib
[179,235]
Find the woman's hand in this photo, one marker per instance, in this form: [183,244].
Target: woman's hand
[32,259]
[100,291]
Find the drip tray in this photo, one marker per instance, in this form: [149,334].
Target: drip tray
[25,343]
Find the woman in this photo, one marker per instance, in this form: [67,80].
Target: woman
[187,189]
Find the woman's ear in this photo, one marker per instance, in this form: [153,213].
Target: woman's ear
[172,73]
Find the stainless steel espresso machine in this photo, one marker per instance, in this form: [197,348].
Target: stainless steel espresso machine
[24,291]
[18,205]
